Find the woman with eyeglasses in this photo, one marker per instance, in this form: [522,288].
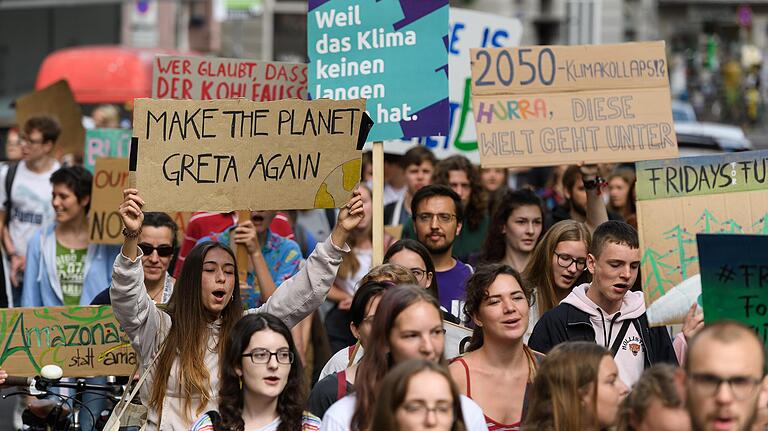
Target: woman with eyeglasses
[262,380]
[557,264]
[63,266]
[407,325]
[412,254]
[498,368]
[418,395]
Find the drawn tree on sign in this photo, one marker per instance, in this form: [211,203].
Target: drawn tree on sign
[761,225]
[682,238]
[731,226]
[707,219]
[655,280]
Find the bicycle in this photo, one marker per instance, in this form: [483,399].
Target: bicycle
[52,411]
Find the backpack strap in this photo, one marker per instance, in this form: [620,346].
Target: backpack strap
[341,384]
[620,337]
[9,177]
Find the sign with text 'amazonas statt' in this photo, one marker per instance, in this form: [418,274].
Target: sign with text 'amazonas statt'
[83,341]
[224,155]
[551,105]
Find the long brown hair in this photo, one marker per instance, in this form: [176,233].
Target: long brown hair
[394,389]
[350,264]
[189,335]
[538,272]
[565,376]
[377,360]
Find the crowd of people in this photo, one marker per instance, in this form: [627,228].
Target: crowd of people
[540,266]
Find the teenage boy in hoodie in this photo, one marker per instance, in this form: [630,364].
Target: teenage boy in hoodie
[605,311]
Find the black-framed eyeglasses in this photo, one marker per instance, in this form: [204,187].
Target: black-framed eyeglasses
[162,250]
[441,217]
[742,387]
[418,273]
[422,409]
[566,260]
[263,356]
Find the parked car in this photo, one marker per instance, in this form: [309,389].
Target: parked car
[698,137]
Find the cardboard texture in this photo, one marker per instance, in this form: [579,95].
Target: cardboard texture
[553,105]
[734,279]
[392,53]
[224,155]
[110,178]
[57,101]
[83,341]
[669,220]
[207,78]
[105,143]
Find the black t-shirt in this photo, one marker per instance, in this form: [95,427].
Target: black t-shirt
[326,392]
[102,298]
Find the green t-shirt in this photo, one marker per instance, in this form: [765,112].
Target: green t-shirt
[70,267]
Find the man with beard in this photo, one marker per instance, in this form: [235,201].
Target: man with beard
[437,215]
[605,311]
[723,377]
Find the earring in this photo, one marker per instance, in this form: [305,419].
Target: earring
[240,380]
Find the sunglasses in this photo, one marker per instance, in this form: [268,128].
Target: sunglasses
[162,250]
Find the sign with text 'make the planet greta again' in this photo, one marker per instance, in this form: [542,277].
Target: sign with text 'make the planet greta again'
[224,155]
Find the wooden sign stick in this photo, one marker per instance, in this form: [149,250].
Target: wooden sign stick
[242,251]
[378,203]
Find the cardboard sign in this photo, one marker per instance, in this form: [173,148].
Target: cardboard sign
[679,198]
[105,143]
[220,155]
[553,105]
[83,341]
[207,78]
[734,279]
[469,29]
[456,339]
[392,53]
[57,101]
[110,178]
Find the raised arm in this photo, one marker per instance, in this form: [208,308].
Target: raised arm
[597,214]
[301,294]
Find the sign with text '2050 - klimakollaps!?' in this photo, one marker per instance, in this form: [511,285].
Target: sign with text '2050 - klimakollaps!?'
[550,105]
[220,155]
[392,53]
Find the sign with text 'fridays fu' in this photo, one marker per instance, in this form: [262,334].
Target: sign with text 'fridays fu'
[220,155]
[392,53]
[207,78]
[679,198]
[552,105]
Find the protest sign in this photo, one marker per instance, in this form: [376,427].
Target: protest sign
[105,143]
[83,341]
[207,78]
[110,178]
[734,279]
[679,198]
[224,155]
[468,29]
[553,105]
[456,339]
[390,52]
[57,101]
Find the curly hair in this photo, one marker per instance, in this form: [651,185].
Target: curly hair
[495,246]
[477,291]
[290,405]
[477,206]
